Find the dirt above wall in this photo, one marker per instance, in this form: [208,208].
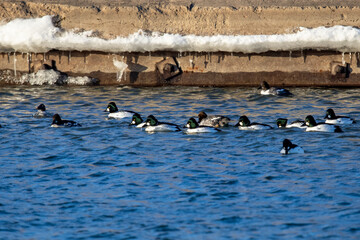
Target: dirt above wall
[201,17]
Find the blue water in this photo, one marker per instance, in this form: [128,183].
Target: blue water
[107,180]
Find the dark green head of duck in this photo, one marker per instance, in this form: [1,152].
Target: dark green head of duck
[111,107]
[243,121]
[310,121]
[151,121]
[281,122]
[330,114]
[136,119]
[192,123]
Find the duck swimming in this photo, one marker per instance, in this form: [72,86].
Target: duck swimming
[312,126]
[245,124]
[267,90]
[137,120]
[288,147]
[333,119]
[42,113]
[153,125]
[192,126]
[213,120]
[58,122]
[282,123]
[115,113]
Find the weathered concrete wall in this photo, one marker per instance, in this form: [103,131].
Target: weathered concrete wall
[306,68]
[201,17]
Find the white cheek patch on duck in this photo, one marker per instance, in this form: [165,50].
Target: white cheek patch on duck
[187,125]
[133,122]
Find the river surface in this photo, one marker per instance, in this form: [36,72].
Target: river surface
[107,180]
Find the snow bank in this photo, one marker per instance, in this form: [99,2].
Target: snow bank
[40,35]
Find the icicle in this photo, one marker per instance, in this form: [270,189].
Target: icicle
[44,57]
[149,54]
[350,56]
[69,57]
[192,64]
[290,53]
[9,57]
[27,57]
[15,64]
[343,58]
[121,66]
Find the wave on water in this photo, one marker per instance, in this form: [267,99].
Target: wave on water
[40,35]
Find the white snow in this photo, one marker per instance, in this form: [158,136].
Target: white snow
[40,35]
[51,77]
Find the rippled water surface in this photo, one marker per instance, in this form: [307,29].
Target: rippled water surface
[108,180]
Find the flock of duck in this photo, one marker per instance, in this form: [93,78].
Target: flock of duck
[212,123]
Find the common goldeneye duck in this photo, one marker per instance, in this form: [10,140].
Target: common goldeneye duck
[192,126]
[137,120]
[115,113]
[153,125]
[245,124]
[213,120]
[282,123]
[333,119]
[288,147]
[312,126]
[267,90]
[42,113]
[58,122]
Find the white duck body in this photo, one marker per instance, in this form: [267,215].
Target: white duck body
[340,120]
[296,124]
[332,118]
[153,125]
[255,126]
[201,130]
[141,125]
[322,127]
[162,127]
[312,126]
[296,149]
[121,114]
[42,114]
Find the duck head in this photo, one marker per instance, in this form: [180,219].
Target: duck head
[41,107]
[281,122]
[202,115]
[111,107]
[310,121]
[264,86]
[287,144]
[56,119]
[136,119]
[192,123]
[151,121]
[330,114]
[243,121]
